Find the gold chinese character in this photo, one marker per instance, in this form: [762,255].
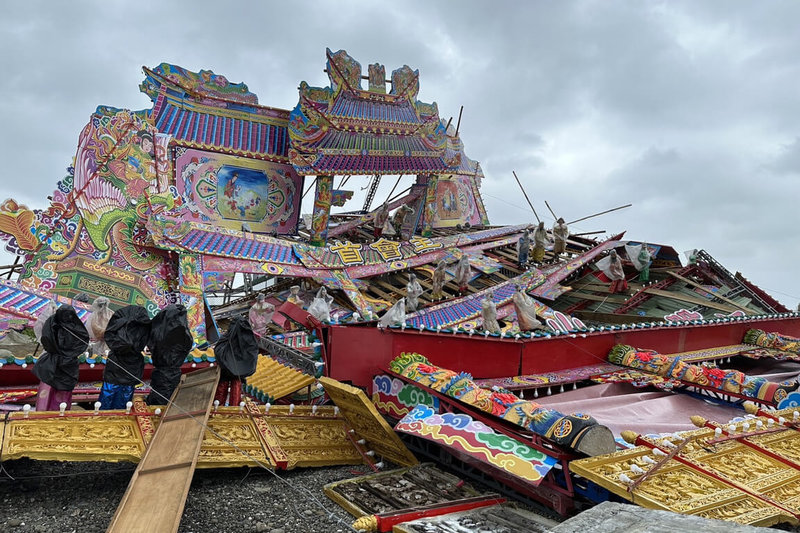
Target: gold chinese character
[389,250]
[349,253]
[424,244]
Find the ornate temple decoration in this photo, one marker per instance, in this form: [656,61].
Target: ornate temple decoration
[367,422]
[300,438]
[25,303]
[564,430]
[745,471]
[726,381]
[469,437]
[419,485]
[273,380]
[343,129]
[454,199]
[774,340]
[497,518]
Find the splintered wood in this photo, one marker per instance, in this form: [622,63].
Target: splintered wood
[157,492]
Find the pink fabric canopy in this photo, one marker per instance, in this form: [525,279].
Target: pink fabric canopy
[620,406]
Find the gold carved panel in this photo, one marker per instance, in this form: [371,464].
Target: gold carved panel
[314,441]
[676,487]
[84,438]
[361,415]
[233,438]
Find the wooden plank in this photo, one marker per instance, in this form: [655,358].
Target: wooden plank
[691,300]
[397,292]
[157,492]
[715,295]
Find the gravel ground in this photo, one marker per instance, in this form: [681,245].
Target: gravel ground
[54,497]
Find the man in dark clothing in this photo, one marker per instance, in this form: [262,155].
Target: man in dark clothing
[170,343]
[127,334]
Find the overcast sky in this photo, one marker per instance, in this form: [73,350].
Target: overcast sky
[688,110]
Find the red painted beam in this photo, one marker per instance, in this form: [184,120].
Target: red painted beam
[387,520]
[13,374]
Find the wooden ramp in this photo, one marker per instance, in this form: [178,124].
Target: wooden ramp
[157,492]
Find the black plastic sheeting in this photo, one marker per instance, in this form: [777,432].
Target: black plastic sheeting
[170,338]
[237,350]
[127,334]
[170,343]
[64,338]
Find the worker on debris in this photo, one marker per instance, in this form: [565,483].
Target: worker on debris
[523,247]
[540,241]
[127,334]
[170,343]
[379,219]
[64,338]
[560,236]
[489,314]
[97,323]
[526,310]
[237,355]
[320,306]
[463,273]
[611,265]
[439,277]
[260,315]
[413,292]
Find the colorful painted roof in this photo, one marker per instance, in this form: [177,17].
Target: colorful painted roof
[26,302]
[203,110]
[343,129]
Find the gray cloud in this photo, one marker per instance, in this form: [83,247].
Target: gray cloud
[686,109]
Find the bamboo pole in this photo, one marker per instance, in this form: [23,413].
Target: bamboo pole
[601,213]
[551,210]
[398,195]
[396,183]
[526,195]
